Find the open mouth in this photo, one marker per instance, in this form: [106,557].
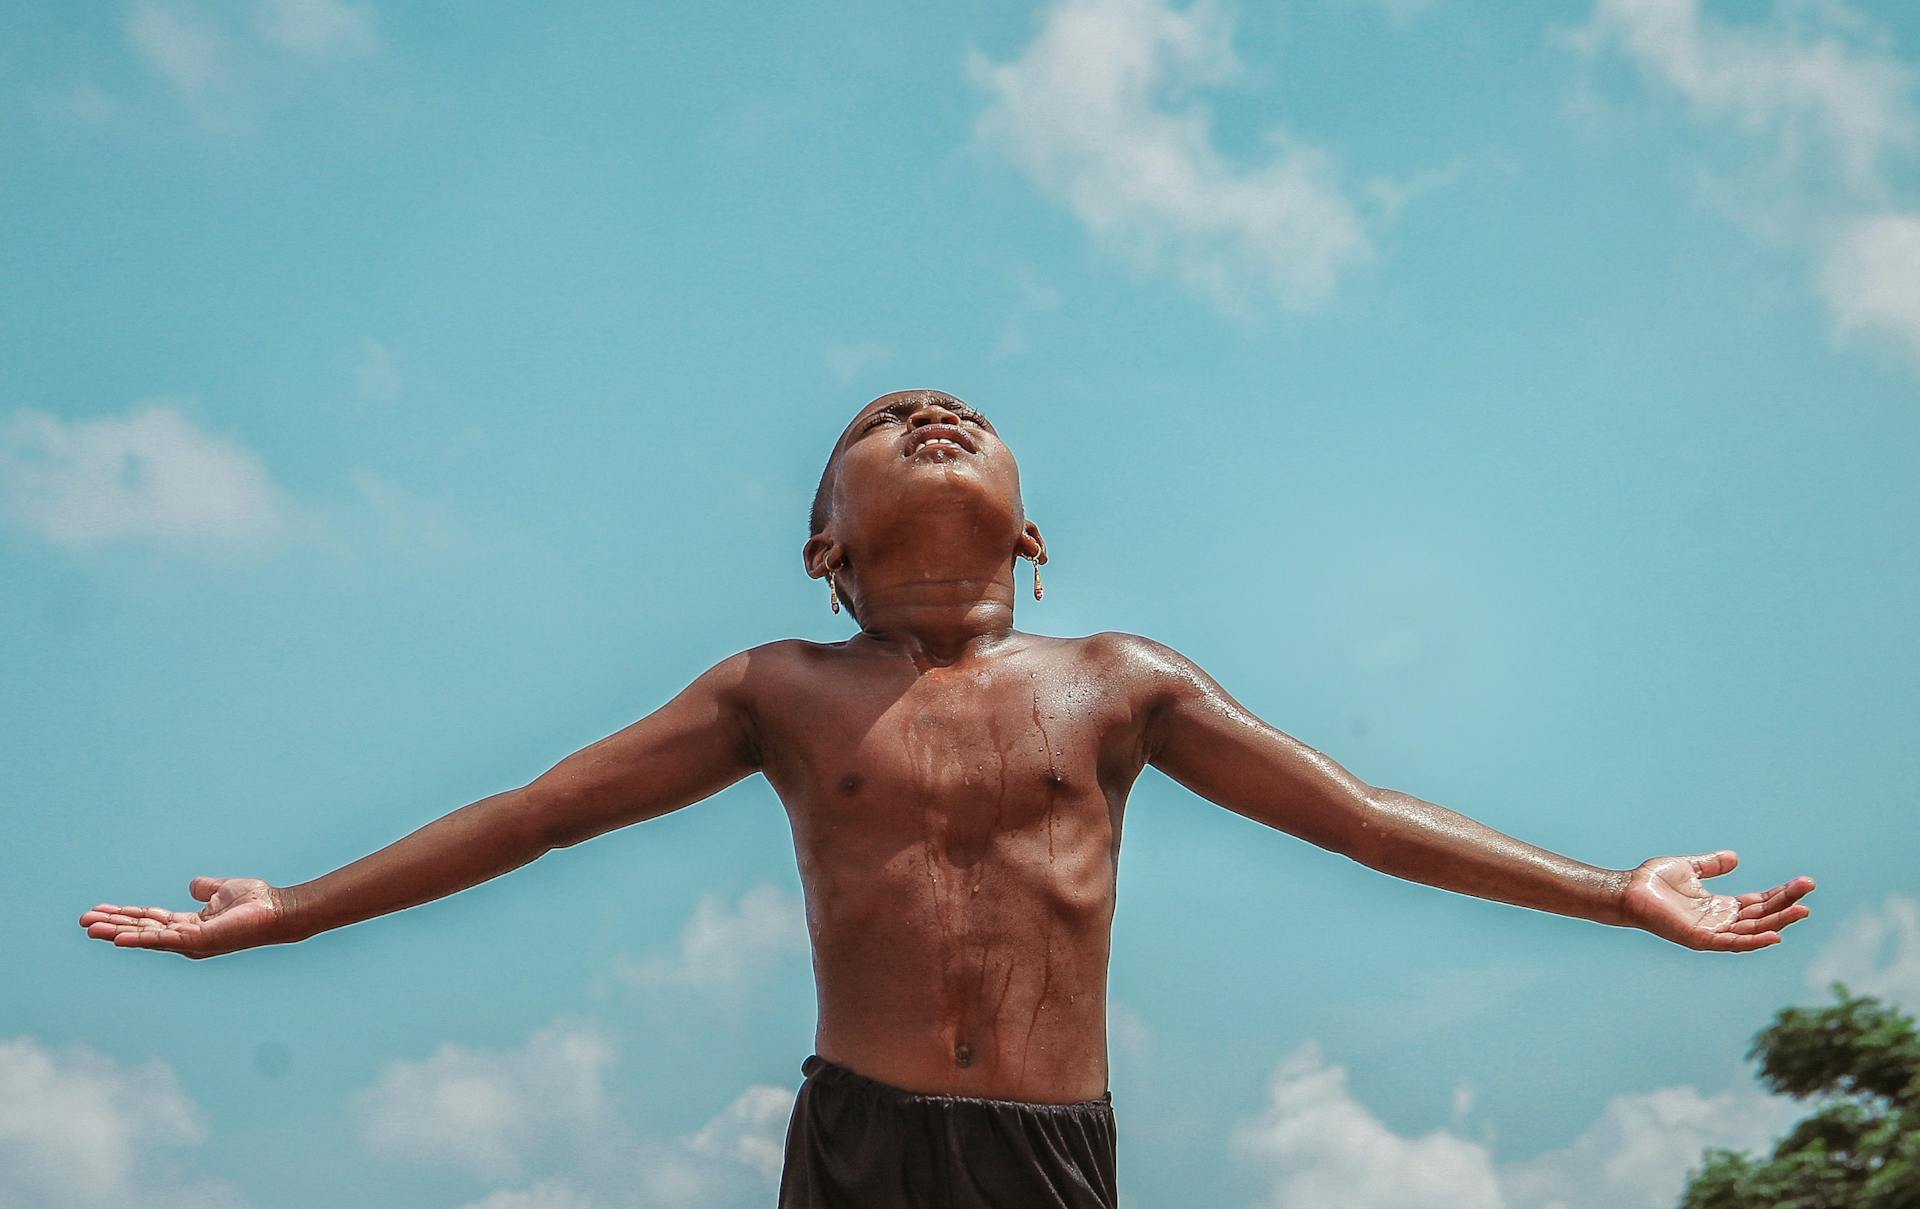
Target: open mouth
[938,436]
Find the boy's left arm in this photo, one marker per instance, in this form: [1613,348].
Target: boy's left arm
[1201,737]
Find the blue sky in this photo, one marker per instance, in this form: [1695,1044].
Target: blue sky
[394,399]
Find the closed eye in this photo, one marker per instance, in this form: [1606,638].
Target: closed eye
[899,411]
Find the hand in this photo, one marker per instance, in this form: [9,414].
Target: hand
[1665,897]
[241,913]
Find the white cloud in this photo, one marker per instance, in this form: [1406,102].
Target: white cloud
[1819,110]
[724,946]
[1638,1154]
[851,361]
[1127,1031]
[549,1194]
[1316,1144]
[151,473]
[80,1131]
[1814,84]
[1875,952]
[317,28]
[493,1113]
[406,520]
[376,379]
[1462,1101]
[751,1131]
[541,1112]
[178,44]
[1871,281]
[224,63]
[1400,12]
[82,102]
[154,475]
[1088,112]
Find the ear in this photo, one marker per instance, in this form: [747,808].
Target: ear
[822,554]
[1031,543]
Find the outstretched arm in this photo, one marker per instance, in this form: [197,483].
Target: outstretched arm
[690,748]
[1201,737]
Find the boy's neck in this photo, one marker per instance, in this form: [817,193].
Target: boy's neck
[937,610]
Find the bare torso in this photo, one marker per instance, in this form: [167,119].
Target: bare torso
[957,830]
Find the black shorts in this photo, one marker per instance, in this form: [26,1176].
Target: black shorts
[857,1143]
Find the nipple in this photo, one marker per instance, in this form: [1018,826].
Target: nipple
[963,1053]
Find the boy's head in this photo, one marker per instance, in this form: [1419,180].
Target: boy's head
[916,468]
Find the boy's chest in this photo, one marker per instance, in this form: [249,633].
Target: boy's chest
[995,739]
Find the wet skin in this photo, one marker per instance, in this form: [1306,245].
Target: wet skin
[958,835]
[956,790]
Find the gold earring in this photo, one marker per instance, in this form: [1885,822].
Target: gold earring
[1037,589]
[833,594]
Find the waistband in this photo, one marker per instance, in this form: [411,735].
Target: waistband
[831,1073]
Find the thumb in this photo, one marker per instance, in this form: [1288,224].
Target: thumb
[1713,864]
[202,888]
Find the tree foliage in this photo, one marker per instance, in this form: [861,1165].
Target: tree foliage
[1858,1062]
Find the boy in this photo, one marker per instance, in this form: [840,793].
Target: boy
[956,789]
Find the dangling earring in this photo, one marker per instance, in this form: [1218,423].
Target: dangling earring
[1037,589]
[833,594]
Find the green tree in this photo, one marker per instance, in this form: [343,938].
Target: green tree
[1860,1147]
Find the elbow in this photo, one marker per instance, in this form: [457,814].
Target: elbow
[540,820]
[1367,835]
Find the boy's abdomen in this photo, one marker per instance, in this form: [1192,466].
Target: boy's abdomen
[981,974]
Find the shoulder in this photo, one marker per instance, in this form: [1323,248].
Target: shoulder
[773,665]
[1145,664]
[1122,648]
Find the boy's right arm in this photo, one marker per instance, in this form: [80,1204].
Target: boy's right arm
[690,748]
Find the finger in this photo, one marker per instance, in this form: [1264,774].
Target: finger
[149,938]
[1769,906]
[202,888]
[1713,864]
[1733,942]
[116,918]
[160,914]
[1754,898]
[112,933]
[1768,923]
[1763,902]
[1784,894]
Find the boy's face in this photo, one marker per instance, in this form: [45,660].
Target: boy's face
[916,458]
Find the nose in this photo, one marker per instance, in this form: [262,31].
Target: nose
[933,412]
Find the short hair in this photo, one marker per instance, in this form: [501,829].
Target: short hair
[817,519]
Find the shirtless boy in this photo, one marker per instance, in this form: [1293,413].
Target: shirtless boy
[956,789]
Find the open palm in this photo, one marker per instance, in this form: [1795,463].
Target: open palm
[1665,897]
[241,912]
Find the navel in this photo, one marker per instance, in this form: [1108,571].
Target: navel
[963,1053]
